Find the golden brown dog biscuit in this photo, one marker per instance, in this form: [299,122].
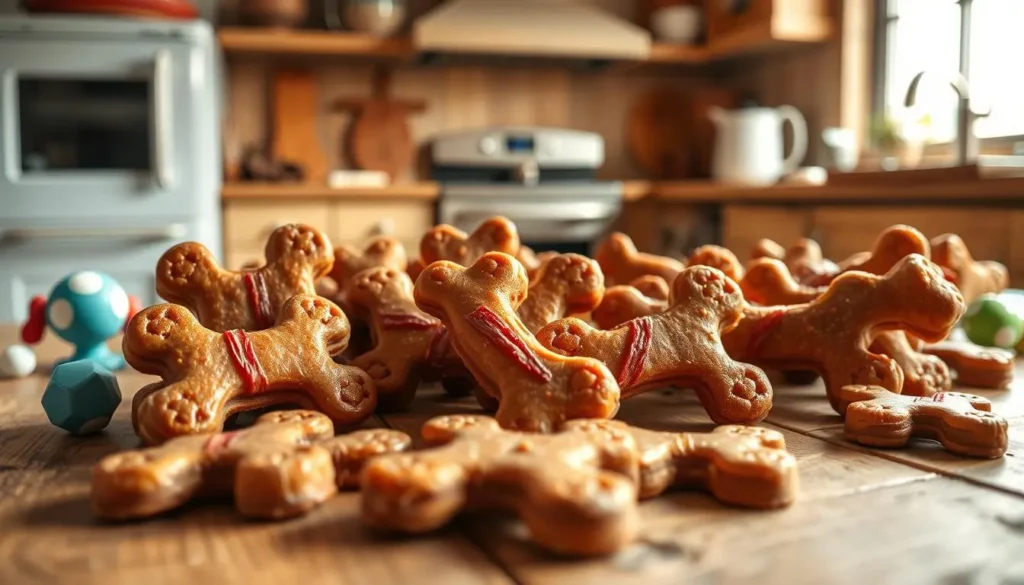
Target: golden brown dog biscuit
[892,245]
[414,268]
[652,287]
[621,262]
[962,423]
[974,278]
[923,374]
[536,388]
[768,282]
[808,265]
[717,257]
[528,258]
[568,284]
[576,490]
[831,334]
[188,275]
[444,242]
[286,464]
[975,366]
[765,248]
[678,347]
[208,376]
[407,342]
[647,295]
[380,251]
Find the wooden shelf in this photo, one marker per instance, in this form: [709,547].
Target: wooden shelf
[267,41]
[240,40]
[991,189]
[245,190]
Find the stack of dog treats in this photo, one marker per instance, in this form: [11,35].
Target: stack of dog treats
[549,344]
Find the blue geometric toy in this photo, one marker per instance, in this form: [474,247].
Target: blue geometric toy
[81,397]
[85,309]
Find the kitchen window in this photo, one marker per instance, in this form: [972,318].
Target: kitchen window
[980,39]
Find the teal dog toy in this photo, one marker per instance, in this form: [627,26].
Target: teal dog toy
[81,397]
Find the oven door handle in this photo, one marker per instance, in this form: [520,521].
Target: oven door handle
[163,127]
[567,213]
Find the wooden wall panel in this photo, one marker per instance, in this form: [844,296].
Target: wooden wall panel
[459,98]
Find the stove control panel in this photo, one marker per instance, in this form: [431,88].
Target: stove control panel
[547,148]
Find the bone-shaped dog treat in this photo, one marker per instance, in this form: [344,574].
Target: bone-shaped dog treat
[808,265]
[679,347]
[576,490]
[962,423]
[652,287]
[923,374]
[768,282]
[284,465]
[380,251]
[444,242]
[536,388]
[414,268]
[831,334]
[188,275]
[765,248]
[208,376]
[893,244]
[975,366]
[528,258]
[621,262]
[717,257]
[407,341]
[974,278]
[644,296]
[567,284]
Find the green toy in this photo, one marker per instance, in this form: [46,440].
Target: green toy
[996,320]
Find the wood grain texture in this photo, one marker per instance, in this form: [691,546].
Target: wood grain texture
[861,517]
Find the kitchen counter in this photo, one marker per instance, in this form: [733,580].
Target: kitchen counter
[1005,189]
[862,516]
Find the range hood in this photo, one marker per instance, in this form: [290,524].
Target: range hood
[529,28]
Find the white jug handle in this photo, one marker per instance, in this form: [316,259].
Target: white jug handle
[799,151]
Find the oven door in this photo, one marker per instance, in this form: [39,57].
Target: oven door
[561,219]
[97,131]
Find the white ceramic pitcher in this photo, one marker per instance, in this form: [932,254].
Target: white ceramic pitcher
[748,144]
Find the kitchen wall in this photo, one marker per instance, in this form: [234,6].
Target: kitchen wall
[458,98]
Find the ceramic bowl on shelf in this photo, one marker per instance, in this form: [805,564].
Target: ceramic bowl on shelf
[381,18]
[681,25]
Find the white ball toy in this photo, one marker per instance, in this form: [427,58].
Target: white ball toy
[17,361]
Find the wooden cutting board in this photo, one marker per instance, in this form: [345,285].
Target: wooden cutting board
[379,138]
[658,133]
[296,113]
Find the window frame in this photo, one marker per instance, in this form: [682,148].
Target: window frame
[883,18]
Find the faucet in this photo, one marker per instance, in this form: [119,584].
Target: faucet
[966,140]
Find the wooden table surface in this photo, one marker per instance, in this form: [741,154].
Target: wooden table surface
[863,516]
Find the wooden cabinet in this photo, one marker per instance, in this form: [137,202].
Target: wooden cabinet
[744,225]
[848,229]
[247,223]
[843,231]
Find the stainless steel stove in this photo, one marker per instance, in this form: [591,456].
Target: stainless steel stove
[543,179]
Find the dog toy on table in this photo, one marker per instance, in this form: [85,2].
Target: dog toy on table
[85,309]
[81,397]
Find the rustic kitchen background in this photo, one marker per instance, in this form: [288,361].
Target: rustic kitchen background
[304,98]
